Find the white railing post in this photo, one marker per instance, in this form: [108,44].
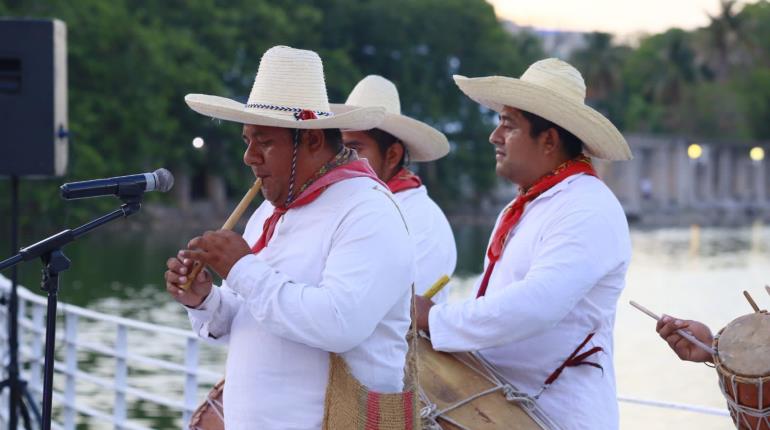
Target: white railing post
[71,364]
[4,321]
[72,411]
[191,380]
[121,376]
[36,361]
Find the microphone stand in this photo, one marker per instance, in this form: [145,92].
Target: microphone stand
[50,252]
[20,399]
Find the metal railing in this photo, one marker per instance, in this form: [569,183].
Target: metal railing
[77,353]
[110,365]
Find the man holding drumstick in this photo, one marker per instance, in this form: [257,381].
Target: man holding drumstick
[325,264]
[544,311]
[684,349]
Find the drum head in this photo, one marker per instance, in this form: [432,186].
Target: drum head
[744,345]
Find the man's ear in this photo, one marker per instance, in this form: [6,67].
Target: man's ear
[550,141]
[393,155]
[315,140]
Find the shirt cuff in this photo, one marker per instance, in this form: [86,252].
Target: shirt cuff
[246,274]
[206,309]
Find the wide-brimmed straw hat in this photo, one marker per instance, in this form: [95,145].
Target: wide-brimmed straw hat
[554,90]
[423,142]
[288,82]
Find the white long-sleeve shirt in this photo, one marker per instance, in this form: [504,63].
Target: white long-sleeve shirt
[335,277]
[435,250]
[558,279]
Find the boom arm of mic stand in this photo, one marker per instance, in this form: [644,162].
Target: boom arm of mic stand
[55,262]
[64,237]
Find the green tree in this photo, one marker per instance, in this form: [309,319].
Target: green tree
[658,73]
[601,63]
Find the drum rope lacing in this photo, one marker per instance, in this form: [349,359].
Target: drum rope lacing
[218,407]
[430,414]
[738,411]
[741,411]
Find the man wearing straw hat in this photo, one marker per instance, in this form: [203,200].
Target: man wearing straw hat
[325,264]
[543,313]
[387,148]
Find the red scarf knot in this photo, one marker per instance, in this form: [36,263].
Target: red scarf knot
[404,179]
[512,214]
[344,165]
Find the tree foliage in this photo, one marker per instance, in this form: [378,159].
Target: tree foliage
[132,62]
[711,82]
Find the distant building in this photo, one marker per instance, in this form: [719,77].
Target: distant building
[670,181]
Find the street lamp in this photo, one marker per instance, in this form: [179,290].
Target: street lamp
[757,154]
[694,151]
[198,143]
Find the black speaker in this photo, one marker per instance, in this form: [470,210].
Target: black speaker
[33,97]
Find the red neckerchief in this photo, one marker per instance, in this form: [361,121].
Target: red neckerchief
[404,179]
[345,165]
[512,213]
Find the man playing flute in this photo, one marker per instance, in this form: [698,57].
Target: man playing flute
[325,264]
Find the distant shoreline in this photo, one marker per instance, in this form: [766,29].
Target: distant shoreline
[202,216]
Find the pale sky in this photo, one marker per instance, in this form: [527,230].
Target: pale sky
[622,17]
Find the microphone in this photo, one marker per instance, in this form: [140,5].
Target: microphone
[132,185]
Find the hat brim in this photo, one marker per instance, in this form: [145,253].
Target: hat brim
[231,110]
[423,142]
[601,138]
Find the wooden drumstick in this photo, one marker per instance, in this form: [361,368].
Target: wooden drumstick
[751,301]
[679,331]
[228,225]
[435,288]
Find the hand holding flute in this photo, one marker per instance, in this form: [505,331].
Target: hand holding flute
[220,250]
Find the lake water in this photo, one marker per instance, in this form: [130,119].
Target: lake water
[691,272]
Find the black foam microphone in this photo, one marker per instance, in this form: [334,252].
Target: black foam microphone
[123,186]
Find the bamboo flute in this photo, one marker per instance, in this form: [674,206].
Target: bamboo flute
[232,220]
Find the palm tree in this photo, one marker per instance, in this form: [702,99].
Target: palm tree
[600,62]
[726,45]
[676,58]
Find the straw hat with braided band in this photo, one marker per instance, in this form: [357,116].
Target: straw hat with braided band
[423,142]
[554,90]
[289,86]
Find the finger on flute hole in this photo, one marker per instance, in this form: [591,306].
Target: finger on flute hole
[190,256]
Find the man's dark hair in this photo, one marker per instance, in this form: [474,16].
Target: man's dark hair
[573,146]
[384,141]
[332,136]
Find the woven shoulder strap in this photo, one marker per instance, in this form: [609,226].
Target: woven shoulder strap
[351,405]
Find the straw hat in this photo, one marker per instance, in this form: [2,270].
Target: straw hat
[288,82]
[554,90]
[423,142]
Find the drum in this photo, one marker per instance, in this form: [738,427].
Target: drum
[446,380]
[462,391]
[742,359]
[210,414]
